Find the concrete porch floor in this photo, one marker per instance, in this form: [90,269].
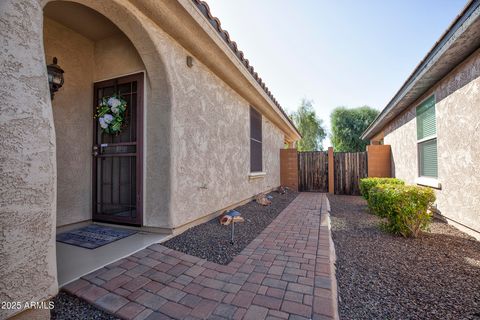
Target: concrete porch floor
[287,272]
[74,262]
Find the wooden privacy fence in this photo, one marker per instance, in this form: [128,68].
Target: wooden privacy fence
[337,172]
[349,168]
[313,171]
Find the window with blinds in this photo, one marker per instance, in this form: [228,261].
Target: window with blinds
[255,141]
[427,139]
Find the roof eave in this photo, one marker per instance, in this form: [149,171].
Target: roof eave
[459,41]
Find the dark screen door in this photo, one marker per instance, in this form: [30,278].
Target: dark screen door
[117,158]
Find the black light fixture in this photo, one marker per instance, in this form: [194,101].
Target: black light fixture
[55,77]
[189,61]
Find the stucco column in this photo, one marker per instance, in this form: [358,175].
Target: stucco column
[27,159]
[379,160]
[289,168]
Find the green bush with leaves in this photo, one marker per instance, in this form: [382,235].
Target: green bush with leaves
[368,183]
[404,206]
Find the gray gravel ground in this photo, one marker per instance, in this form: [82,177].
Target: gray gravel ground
[211,241]
[68,307]
[381,276]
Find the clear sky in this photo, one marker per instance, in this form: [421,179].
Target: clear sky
[337,52]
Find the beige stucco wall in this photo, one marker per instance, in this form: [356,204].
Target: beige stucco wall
[458,144]
[211,143]
[27,160]
[72,114]
[116,56]
[211,160]
[84,61]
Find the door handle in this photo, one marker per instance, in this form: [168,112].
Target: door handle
[95,151]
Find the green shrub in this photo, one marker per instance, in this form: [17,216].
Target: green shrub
[381,200]
[368,183]
[405,207]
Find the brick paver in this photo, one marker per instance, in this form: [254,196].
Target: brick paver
[285,273]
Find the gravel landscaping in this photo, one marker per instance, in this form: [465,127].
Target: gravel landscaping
[211,240]
[381,276]
[68,307]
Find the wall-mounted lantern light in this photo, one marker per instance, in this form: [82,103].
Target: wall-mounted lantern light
[55,77]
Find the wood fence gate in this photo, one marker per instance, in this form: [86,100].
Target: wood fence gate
[349,168]
[313,171]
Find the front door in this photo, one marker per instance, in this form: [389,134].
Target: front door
[117,158]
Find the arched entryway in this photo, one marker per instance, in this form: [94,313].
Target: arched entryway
[104,177]
[101,47]
[99,62]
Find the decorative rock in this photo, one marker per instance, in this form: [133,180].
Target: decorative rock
[212,240]
[381,276]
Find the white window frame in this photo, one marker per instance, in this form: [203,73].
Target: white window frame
[424,180]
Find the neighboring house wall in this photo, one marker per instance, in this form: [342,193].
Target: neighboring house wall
[85,62]
[458,144]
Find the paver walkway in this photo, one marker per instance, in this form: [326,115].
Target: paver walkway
[285,273]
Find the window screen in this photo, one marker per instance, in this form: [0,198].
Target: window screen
[427,156]
[426,124]
[427,139]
